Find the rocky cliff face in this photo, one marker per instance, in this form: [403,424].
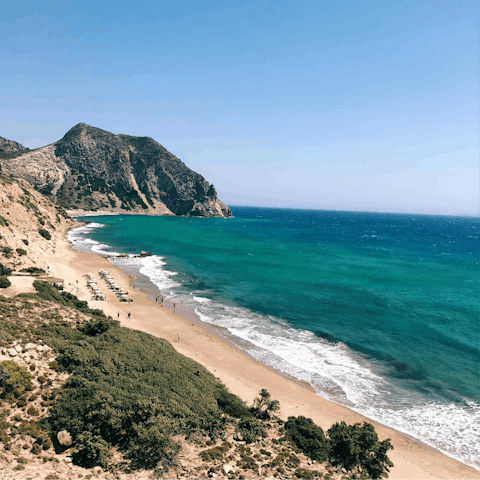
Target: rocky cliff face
[92,169]
[7,146]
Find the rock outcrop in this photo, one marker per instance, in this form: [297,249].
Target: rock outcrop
[92,169]
[10,146]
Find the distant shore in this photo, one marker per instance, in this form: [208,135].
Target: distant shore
[242,374]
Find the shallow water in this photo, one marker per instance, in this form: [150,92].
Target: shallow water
[378,312]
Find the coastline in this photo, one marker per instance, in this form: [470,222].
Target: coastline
[242,374]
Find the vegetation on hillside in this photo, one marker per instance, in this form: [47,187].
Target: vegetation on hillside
[132,393]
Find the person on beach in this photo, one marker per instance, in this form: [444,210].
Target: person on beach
[178,337]
[128,316]
[118,315]
[173,308]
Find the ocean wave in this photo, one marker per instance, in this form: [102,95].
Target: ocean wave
[342,376]
[77,236]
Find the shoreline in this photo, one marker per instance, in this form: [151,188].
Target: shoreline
[242,374]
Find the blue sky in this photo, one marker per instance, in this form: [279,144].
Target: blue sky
[368,105]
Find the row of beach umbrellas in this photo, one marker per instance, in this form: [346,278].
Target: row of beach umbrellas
[119,291]
[92,285]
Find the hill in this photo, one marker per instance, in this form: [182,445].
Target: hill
[92,169]
[30,225]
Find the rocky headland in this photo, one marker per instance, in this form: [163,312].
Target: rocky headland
[95,170]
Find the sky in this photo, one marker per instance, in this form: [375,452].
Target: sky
[339,105]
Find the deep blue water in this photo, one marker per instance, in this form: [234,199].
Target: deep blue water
[379,312]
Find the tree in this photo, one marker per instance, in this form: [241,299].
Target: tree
[4,282]
[308,437]
[358,446]
[263,406]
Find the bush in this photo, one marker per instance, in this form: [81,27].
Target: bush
[263,406]
[308,437]
[13,378]
[25,241]
[33,411]
[33,270]
[134,391]
[251,429]
[21,251]
[231,404]
[7,251]
[36,449]
[44,233]
[92,450]
[358,446]
[4,282]
[5,271]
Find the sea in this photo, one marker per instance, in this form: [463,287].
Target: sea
[376,311]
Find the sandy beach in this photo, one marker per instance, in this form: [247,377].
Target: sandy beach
[242,375]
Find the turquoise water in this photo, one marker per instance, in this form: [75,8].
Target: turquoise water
[379,312]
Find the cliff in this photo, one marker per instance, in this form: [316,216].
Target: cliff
[92,169]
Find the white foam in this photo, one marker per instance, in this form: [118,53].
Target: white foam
[153,269]
[340,375]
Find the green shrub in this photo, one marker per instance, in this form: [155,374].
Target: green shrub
[21,251]
[25,241]
[33,411]
[133,390]
[251,429]
[215,453]
[263,406]
[231,404]
[7,252]
[92,450]
[13,378]
[358,446]
[4,282]
[304,473]
[36,449]
[5,271]
[4,222]
[307,437]
[33,270]
[44,233]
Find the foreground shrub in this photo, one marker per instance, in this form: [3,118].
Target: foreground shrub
[308,437]
[251,429]
[5,271]
[358,446]
[132,390]
[33,270]
[232,405]
[14,379]
[92,451]
[44,233]
[21,251]
[264,406]
[4,282]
